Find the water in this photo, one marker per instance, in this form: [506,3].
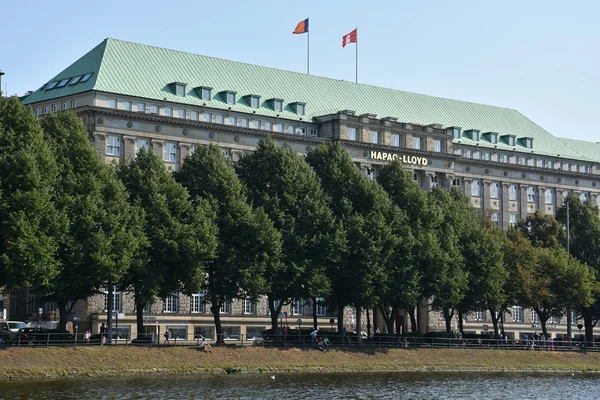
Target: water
[428,385]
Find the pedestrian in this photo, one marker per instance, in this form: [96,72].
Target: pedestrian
[313,337]
[166,335]
[377,331]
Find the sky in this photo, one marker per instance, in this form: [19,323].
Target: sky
[541,58]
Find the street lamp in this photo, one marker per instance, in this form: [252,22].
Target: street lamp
[1,73]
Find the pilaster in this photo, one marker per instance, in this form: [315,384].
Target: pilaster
[448,181]
[128,147]
[541,200]
[158,147]
[523,202]
[505,205]
[487,203]
[184,151]
[100,143]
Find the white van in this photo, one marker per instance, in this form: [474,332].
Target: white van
[9,329]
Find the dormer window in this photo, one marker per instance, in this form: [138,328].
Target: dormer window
[298,107]
[526,142]
[254,102]
[508,139]
[456,132]
[491,137]
[228,96]
[472,134]
[277,105]
[178,88]
[204,92]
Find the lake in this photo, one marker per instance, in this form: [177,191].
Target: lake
[413,385]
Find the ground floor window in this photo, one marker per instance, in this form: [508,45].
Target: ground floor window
[206,331]
[231,333]
[253,332]
[122,332]
[179,332]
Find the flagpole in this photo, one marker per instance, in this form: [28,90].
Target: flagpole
[356,55]
[308,50]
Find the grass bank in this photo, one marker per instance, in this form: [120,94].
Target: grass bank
[32,363]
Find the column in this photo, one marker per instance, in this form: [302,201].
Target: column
[184,151]
[468,182]
[157,148]
[559,198]
[429,177]
[594,198]
[128,147]
[541,200]
[448,181]
[486,195]
[523,202]
[505,205]
[100,143]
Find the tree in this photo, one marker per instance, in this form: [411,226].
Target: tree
[28,217]
[542,230]
[248,245]
[584,245]
[180,235]
[281,182]
[101,233]
[377,234]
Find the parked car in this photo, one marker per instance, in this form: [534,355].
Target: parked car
[9,329]
[32,336]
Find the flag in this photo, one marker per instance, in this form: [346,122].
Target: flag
[302,27]
[349,38]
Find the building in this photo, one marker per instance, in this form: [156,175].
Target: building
[132,96]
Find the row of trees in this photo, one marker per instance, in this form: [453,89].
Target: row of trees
[274,224]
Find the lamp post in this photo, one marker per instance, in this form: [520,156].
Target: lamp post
[1,73]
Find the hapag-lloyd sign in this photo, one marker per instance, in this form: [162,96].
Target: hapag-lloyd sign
[403,158]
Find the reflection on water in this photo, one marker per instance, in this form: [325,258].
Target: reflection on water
[413,385]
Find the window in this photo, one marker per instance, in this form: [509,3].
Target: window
[256,124]
[231,121]
[226,307]
[278,127]
[63,106]
[278,105]
[456,183]
[395,140]
[417,143]
[585,169]
[253,332]
[535,317]
[248,306]
[127,105]
[168,111]
[291,129]
[171,304]
[504,158]
[141,107]
[512,220]
[351,133]
[206,331]
[180,90]
[469,154]
[267,126]
[495,190]
[476,136]
[529,143]
[112,103]
[45,110]
[51,85]
[170,153]
[197,302]
[540,163]
[476,188]
[493,138]
[573,317]
[566,166]
[36,111]
[437,146]
[54,108]
[207,117]
[531,162]
[300,109]
[434,181]
[116,300]
[456,133]
[180,113]
[476,155]
[554,320]
[298,307]
[142,144]
[154,109]
[495,157]
[513,192]
[194,115]
[75,80]
[230,98]
[300,131]
[244,122]
[73,104]
[583,197]
[86,77]
[485,156]
[495,218]
[549,164]
[254,102]
[321,309]
[314,132]
[517,314]
[205,94]
[458,152]
[511,140]
[531,194]
[30,307]
[113,147]
[480,315]
[219,119]
[231,333]
[63,83]
[549,196]
[374,137]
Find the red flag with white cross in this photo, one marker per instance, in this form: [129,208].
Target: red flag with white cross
[349,38]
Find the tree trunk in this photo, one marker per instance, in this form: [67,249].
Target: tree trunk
[314,311]
[340,318]
[494,320]
[460,323]
[62,317]
[368,323]
[414,327]
[388,318]
[139,317]
[543,320]
[589,327]
[215,308]
[448,319]
[359,323]
[274,312]
[109,313]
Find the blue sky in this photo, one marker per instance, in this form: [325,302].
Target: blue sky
[539,57]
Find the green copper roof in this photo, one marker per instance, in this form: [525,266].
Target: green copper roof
[144,71]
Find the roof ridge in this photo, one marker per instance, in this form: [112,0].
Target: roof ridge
[303,75]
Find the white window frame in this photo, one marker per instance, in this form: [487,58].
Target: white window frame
[244,122]
[63,106]
[168,111]
[230,98]
[127,105]
[396,139]
[321,308]
[480,315]
[248,306]
[226,307]
[512,220]
[231,120]
[180,90]
[298,307]
[300,109]
[437,145]
[219,119]
[197,302]
[54,107]
[112,103]
[352,133]
[194,115]
[279,127]
[180,113]
[476,188]
[256,124]
[495,190]
[205,94]
[267,126]
[113,145]
[495,217]
[549,196]
[254,102]
[416,142]
[170,152]
[513,193]
[374,137]
[531,197]
[207,117]
[517,314]
[171,304]
[142,143]
[278,105]
[117,297]
[141,107]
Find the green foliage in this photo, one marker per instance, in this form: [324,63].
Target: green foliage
[247,243]
[542,230]
[28,216]
[101,234]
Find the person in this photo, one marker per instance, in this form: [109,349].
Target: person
[166,335]
[285,331]
[550,343]
[526,340]
[532,344]
[204,345]
[102,332]
[319,344]
[313,336]
[326,342]
[377,331]
[87,335]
